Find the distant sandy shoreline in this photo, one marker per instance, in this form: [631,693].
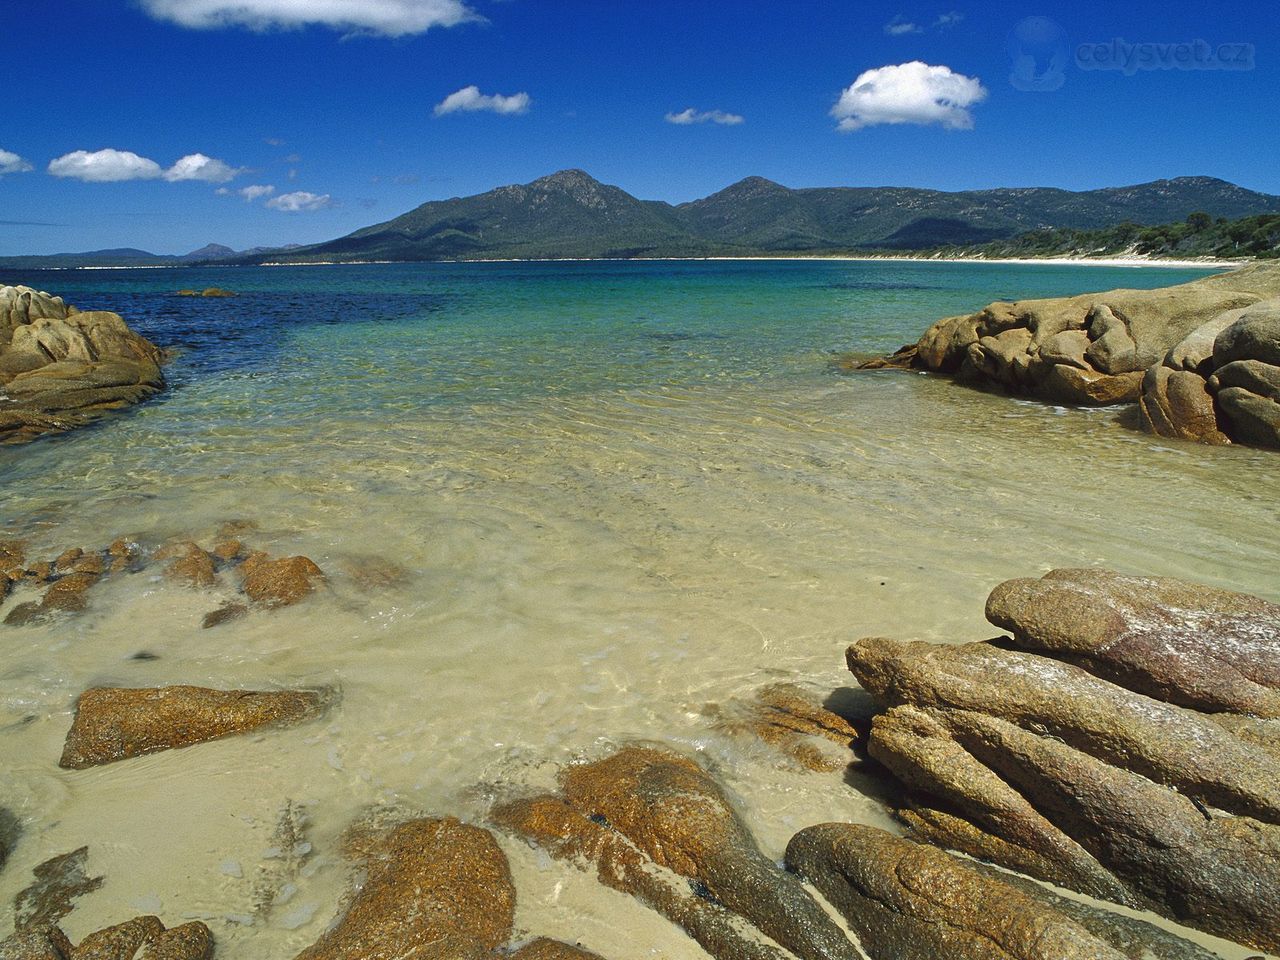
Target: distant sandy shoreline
[867,258]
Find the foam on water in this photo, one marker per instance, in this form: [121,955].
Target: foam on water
[603,532]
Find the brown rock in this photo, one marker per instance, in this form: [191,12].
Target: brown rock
[1181,642]
[787,718]
[545,949]
[13,553]
[227,613]
[66,560]
[913,902]
[1167,743]
[193,567]
[1064,384]
[114,724]
[58,883]
[1217,873]
[68,593]
[228,550]
[60,367]
[91,563]
[550,824]
[674,812]
[39,572]
[1250,418]
[1177,404]
[23,614]
[279,583]
[432,889]
[144,938]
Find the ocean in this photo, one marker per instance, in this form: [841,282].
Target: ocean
[561,506]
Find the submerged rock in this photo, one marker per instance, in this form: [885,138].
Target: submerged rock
[227,613]
[644,811]
[910,901]
[117,723]
[279,583]
[58,883]
[190,565]
[544,949]
[1043,767]
[144,938]
[549,823]
[431,889]
[790,720]
[60,367]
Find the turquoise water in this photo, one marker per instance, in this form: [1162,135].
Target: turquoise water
[601,497]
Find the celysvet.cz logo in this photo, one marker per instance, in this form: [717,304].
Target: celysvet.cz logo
[1041,54]
[1129,58]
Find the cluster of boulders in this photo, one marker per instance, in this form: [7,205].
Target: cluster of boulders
[1202,358]
[1123,741]
[61,367]
[263,581]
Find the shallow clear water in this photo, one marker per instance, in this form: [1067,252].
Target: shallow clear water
[620,492]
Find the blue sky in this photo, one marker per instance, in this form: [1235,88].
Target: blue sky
[361,114]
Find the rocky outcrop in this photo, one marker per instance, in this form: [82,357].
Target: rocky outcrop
[432,888]
[1196,646]
[910,901]
[1221,383]
[1106,777]
[60,367]
[116,723]
[656,825]
[144,938]
[1158,347]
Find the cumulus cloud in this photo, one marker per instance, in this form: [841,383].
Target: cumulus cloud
[912,92]
[104,166]
[692,116]
[12,163]
[256,191]
[900,26]
[391,18]
[471,99]
[300,201]
[946,20]
[196,166]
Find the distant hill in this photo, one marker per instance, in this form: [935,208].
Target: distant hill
[1199,235]
[129,257]
[571,214]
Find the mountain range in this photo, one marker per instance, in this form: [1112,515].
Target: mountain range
[570,214]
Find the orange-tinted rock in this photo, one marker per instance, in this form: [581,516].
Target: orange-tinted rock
[786,717]
[545,949]
[227,613]
[432,890]
[66,560]
[279,583]
[68,593]
[117,723]
[192,567]
[143,938]
[58,883]
[228,550]
[40,571]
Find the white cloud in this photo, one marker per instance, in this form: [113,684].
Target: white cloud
[300,201]
[691,116]
[909,93]
[946,20]
[12,163]
[391,18]
[196,166]
[470,99]
[104,166]
[900,26]
[256,191]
